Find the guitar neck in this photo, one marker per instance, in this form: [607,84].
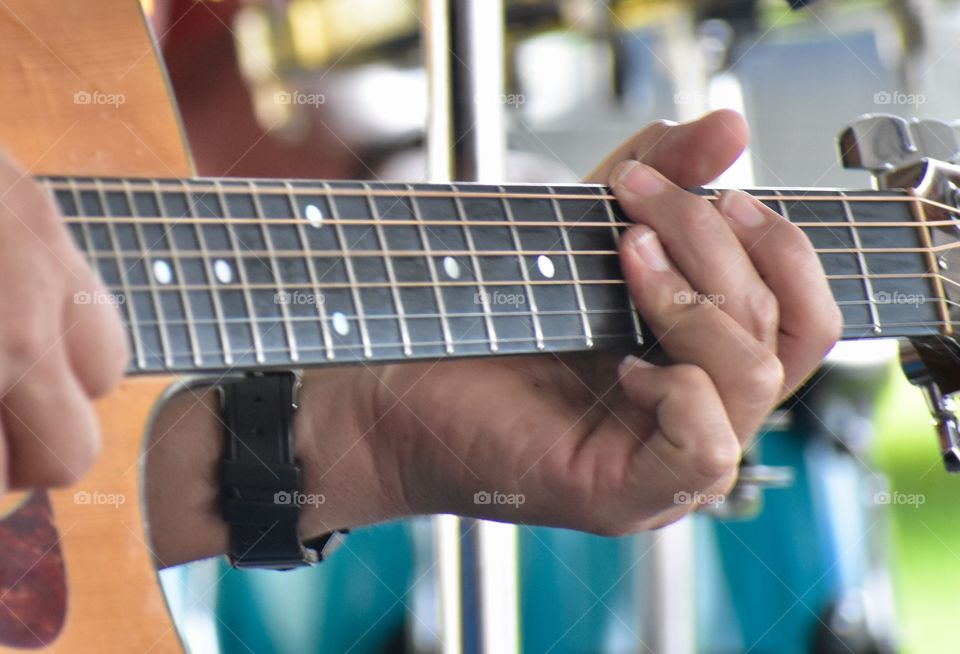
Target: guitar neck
[212,275]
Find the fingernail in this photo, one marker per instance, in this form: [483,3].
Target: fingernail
[645,243]
[742,208]
[636,178]
[629,362]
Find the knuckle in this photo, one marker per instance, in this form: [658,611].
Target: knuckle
[764,310]
[693,212]
[762,382]
[25,342]
[717,455]
[687,378]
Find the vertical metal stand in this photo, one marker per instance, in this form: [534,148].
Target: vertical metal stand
[477,561]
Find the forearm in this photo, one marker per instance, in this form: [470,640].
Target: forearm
[344,483]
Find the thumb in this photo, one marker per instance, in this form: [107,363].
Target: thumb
[688,154]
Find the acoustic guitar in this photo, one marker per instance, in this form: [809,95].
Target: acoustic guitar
[217,275]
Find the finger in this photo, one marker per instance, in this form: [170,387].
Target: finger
[747,374]
[810,320]
[689,451]
[96,341]
[50,425]
[689,154]
[703,246]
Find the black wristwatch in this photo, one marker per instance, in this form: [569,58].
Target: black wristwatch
[260,480]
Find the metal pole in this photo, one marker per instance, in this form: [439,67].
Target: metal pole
[477,561]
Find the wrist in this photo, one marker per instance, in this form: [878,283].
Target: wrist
[345,483]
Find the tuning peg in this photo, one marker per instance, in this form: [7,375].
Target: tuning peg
[884,142]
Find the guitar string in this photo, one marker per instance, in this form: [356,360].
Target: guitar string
[867,331]
[279,286]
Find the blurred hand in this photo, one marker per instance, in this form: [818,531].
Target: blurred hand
[580,441]
[61,342]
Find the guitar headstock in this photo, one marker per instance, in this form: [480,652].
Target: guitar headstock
[921,156]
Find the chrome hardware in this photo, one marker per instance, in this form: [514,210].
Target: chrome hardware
[882,143]
[941,405]
[745,499]
[908,153]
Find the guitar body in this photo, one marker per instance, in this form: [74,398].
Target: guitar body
[84,93]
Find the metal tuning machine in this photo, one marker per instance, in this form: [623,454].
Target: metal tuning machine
[917,154]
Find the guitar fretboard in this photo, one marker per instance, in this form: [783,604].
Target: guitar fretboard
[223,274]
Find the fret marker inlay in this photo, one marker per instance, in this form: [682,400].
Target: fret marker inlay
[451,267]
[314,215]
[223,271]
[340,323]
[546,267]
[162,272]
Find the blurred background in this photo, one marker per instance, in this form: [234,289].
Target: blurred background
[856,548]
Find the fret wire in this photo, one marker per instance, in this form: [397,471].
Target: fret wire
[351,275]
[312,273]
[574,271]
[128,295]
[867,285]
[432,266]
[634,314]
[391,274]
[151,285]
[214,293]
[242,274]
[275,271]
[478,274]
[920,214]
[535,320]
[175,257]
